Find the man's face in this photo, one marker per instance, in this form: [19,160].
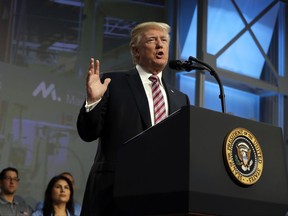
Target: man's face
[9,183]
[153,50]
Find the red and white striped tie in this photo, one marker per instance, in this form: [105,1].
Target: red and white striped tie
[158,100]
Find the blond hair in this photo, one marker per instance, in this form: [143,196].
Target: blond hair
[137,33]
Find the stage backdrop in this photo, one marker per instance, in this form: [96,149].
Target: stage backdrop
[38,136]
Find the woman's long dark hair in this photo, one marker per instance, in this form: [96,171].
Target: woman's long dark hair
[48,209]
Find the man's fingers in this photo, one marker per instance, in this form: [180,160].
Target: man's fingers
[97,67]
[91,66]
[107,81]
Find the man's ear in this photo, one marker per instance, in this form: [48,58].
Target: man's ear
[135,51]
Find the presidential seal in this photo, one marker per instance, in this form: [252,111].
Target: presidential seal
[243,156]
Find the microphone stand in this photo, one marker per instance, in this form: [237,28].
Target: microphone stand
[191,65]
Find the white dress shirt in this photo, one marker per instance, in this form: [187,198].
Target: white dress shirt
[144,75]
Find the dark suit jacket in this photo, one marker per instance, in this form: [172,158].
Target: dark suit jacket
[122,113]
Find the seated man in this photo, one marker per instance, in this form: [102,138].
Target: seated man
[9,203]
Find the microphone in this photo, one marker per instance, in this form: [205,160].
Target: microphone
[184,65]
[194,63]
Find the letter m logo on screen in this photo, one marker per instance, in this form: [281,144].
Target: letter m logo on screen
[45,91]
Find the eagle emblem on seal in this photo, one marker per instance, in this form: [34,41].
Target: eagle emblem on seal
[244,156]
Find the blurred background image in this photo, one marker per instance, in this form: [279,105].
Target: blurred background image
[45,49]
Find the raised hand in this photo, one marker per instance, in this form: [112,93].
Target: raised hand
[94,87]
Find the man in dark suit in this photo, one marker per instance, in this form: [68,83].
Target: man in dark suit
[118,106]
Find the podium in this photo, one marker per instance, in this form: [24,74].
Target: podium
[178,167]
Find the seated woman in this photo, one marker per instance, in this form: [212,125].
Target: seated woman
[58,198]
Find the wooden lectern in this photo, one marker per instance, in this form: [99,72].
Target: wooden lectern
[177,168]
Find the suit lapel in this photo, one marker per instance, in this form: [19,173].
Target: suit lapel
[138,91]
[171,98]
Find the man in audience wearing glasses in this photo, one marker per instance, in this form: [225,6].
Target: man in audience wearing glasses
[10,205]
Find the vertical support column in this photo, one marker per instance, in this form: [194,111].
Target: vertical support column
[281,63]
[285,73]
[201,49]
[92,35]
[172,19]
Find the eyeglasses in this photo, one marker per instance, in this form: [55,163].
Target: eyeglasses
[8,178]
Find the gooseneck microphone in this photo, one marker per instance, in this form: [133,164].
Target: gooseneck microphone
[184,65]
[195,64]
